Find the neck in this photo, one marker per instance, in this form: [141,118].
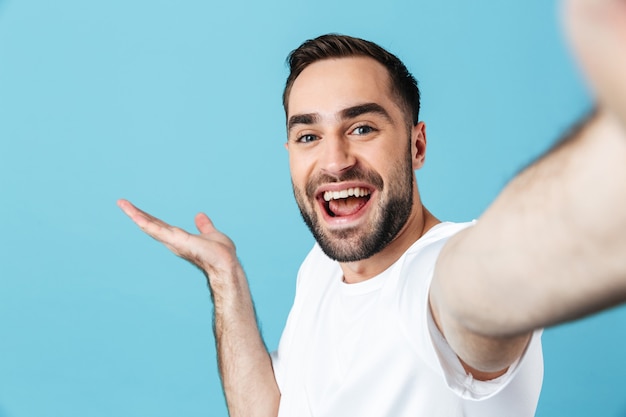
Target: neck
[419,222]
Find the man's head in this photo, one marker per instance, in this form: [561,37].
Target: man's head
[353,144]
[333,46]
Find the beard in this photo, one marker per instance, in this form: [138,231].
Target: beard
[388,217]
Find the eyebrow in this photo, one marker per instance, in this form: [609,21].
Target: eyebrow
[356,111]
[302,119]
[345,114]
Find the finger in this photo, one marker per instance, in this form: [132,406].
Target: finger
[151,225]
[140,217]
[204,224]
[131,211]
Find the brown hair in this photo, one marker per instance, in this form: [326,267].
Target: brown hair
[403,84]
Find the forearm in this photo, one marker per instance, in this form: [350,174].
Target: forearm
[245,366]
[551,248]
[244,362]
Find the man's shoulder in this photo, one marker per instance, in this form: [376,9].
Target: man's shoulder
[317,263]
[438,234]
[418,262]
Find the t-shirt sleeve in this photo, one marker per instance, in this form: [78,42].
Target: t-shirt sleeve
[463,383]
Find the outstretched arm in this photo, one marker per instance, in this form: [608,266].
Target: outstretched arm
[552,247]
[244,363]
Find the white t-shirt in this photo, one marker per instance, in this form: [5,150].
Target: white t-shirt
[372,349]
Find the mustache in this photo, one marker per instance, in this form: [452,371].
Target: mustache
[353,174]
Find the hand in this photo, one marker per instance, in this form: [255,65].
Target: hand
[597,33]
[211,251]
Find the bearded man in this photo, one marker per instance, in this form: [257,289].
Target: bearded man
[397,313]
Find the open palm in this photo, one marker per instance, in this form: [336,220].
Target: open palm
[210,250]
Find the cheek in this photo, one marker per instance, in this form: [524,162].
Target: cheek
[295,167]
[300,169]
[382,162]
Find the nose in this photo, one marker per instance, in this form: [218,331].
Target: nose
[336,155]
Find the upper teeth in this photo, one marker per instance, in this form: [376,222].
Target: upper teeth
[356,192]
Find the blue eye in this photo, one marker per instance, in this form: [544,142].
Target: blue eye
[363,130]
[306,138]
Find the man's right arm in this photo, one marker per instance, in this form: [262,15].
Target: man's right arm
[244,362]
[552,247]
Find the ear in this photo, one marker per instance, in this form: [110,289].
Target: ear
[418,145]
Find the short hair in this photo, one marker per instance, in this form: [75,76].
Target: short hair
[403,84]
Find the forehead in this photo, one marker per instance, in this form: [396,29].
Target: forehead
[331,85]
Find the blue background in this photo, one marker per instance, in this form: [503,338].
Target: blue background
[176,106]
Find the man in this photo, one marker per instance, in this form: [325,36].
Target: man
[397,313]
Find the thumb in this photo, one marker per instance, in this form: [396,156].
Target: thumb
[204,224]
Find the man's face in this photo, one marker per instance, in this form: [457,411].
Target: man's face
[350,155]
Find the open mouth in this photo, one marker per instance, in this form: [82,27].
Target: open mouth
[345,202]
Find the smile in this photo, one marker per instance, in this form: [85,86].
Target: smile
[344,203]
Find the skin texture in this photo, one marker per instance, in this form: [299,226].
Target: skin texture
[550,249]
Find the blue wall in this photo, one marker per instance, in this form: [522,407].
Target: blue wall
[176,106]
